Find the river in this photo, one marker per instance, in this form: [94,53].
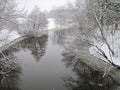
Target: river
[44,65]
[45,73]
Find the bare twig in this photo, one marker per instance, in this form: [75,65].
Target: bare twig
[102,33]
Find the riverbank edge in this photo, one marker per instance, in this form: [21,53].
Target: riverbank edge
[100,65]
[92,61]
[6,46]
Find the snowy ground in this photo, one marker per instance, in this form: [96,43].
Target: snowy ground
[6,36]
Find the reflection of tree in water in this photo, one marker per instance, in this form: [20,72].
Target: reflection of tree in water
[87,78]
[10,71]
[63,36]
[59,37]
[36,45]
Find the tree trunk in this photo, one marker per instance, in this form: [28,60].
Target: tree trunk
[116,26]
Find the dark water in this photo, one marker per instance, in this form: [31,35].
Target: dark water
[39,63]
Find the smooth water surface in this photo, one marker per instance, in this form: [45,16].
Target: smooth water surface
[42,63]
[45,73]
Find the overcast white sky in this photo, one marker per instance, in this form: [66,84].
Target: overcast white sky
[42,4]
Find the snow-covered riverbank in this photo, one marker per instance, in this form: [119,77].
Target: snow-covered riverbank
[7,36]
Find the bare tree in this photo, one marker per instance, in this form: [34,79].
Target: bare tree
[103,37]
[63,15]
[35,22]
[94,19]
[8,14]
